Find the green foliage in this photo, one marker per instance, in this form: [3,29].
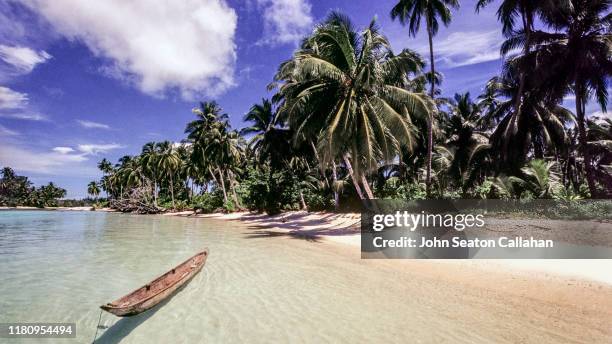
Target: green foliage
[348,111]
[395,189]
[318,201]
[484,190]
[18,191]
[265,190]
[229,207]
[208,202]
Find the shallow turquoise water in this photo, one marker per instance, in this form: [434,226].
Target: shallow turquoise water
[60,266]
[255,288]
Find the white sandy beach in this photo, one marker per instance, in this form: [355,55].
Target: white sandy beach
[344,229]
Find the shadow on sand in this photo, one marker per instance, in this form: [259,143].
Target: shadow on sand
[294,225]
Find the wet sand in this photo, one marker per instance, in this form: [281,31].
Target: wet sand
[500,300]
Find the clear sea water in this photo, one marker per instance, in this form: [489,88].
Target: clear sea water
[255,288]
[60,266]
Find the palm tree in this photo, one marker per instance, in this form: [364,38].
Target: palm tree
[270,139]
[207,133]
[411,12]
[263,118]
[599,138]
[93,189]
[150,167]
[539,125]
[467,140]
[107,168]
[344,90]
[508,13]
[168,163]
[538,178]
[577,59]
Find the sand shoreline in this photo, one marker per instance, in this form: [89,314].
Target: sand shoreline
[501,302]
[343,229]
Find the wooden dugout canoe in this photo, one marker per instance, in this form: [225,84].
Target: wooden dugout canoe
[157,290]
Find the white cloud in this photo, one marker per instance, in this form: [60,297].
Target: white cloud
[63,150]
[92,125]
[25,116]
[23,159]
[4,131]
[10,99]
[285,21]
[159,46]
[468,47]
[21,58]
[92,149]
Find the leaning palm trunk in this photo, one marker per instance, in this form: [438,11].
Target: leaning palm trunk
[222,184]
[230,175]
[366,187]
[349,167]
[335,186]
[582,140]
[321,165]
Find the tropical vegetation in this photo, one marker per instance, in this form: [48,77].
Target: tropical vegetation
[16,190]
[352,120]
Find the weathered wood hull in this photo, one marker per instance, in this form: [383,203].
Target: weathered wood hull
[149,295]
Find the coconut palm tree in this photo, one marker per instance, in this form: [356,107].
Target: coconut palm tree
[270,139]
[107,168]
[467,143]
[93,189]
[168,163]
[576,58]
[149,161]
[410,12]
[207,134]
[539,126]
[337,91]
[263,118]
[599,137]
[508,13]
[537,178]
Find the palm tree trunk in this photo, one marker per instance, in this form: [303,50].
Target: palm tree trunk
[213,175]
[172,191]
[230,175]
[321,167]
[430,119]
[155,191]
[335,180]
[366,187]
[582,139]
[527,23]
[349,167]
[222,184]
[302,200]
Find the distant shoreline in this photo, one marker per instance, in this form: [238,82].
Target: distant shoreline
[58,208]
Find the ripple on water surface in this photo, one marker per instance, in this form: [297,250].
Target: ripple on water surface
[60,266]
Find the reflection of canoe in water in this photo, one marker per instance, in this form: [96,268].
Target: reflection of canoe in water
[157,290]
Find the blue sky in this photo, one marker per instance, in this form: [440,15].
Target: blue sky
[83,80]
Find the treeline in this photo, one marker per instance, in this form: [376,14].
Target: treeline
[352,120]
[17,190]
